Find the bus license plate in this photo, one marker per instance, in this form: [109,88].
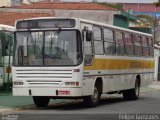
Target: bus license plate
[61,92]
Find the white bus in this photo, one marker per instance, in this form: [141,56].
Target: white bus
[76,58]
[6,36]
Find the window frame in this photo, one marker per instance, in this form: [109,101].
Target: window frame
[145,46]
[106,40]
[120,43]
[138,45]
[130,43]
[96,40]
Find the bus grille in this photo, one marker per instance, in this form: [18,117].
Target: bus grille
[43,77]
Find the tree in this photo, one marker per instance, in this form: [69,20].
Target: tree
[94,1]
[145,21]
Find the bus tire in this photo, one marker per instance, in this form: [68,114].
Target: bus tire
[40,101]
[92,100]
[132,94]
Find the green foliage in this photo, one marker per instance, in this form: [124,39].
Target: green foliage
[116,6]
[145,21]
[94,0]
[147,17]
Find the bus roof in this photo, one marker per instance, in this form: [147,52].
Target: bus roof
[90,22]
[114,27]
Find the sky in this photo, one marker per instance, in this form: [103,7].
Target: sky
[117,1]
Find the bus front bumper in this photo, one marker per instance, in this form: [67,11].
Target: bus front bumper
[53,92]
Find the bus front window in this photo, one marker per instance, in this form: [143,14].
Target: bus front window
[49,48]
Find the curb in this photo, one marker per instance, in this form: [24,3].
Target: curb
[4,109]
[150,88]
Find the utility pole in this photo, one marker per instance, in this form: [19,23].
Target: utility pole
[154,28]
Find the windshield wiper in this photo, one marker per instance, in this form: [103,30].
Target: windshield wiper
[53,38]
[30,36]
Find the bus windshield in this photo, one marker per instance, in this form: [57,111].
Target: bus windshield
[49,48]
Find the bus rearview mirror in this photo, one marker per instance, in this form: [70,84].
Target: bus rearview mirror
[89,35]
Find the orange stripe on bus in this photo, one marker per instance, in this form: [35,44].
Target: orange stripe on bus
[115,64]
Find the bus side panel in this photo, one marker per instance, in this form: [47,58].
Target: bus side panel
[88,85]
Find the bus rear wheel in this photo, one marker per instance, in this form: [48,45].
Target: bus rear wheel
[92,100]
[132,94]
[41,101]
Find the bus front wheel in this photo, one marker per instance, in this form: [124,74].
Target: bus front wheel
[92,100]
[41,101]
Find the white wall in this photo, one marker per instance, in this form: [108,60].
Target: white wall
[95,15]
[132,24]
[26,1]
[30,1]
[6,3]
[156,56]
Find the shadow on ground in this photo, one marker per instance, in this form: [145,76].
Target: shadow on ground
[74,104]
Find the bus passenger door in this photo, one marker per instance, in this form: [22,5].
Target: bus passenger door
[88,80]
[88,44]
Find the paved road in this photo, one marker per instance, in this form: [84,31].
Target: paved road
[110,108]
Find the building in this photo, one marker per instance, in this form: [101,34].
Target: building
[130,1]
[91,11]
[35,1]
[85,10]
[142,8]
[9,18]
[9,3]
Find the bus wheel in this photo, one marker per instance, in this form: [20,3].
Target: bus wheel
[132,94]
[41,101]
[92,100]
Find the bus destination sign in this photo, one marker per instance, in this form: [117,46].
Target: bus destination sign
[45,23]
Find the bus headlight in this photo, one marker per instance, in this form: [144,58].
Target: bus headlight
[72,83]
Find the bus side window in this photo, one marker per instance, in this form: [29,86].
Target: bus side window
[151,49]
[129,47]
[88,47]
[109,43]
[119,43]
[138,45]
[145,46]
[98,41]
